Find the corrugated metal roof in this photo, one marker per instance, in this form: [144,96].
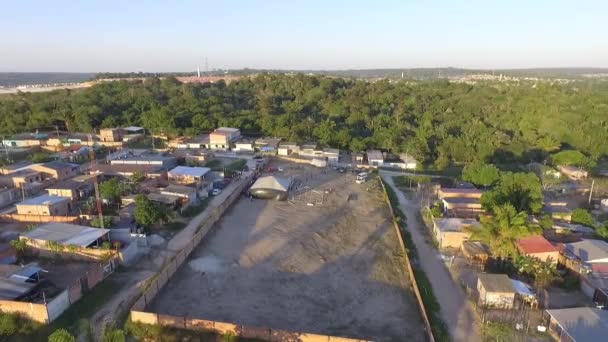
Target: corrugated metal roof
[496,282]
[582,324]
[66,234]
[44,200]
[182,171]
[535,244]
[588,250]
[271,182]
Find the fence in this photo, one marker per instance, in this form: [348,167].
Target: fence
[47,312]
[408,265]
[38,218]
[266,334]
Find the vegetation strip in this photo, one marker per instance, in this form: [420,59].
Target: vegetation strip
[427,301]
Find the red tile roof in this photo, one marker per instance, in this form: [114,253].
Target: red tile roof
[535,244]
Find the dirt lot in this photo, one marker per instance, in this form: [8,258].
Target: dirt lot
[330,269]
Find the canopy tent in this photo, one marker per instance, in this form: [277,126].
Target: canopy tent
[270,187]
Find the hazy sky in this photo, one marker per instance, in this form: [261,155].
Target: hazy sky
[132,35]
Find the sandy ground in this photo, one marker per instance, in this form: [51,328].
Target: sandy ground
[333,269]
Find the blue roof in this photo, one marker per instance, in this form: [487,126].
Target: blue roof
[44,199]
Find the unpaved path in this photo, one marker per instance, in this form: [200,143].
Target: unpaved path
[457,312]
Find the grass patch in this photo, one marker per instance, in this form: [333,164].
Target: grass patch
[147,332]
[195,209]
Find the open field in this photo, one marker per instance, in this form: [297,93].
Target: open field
[332,269]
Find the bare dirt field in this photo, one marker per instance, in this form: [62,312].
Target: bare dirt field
[332,269]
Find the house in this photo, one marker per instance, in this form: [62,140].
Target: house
[25,140]
[461,202]
[25,178]
[188,175]
[134,130]
[147,159]
[267,144]
[7,196]
[223,137]
[475,252]
[187,194]
[408,161]
[589,259]
[495,290]
[310,150]
[57,170]
[244,145]
[110,134]
[45,205]
[287,148]
[126,170]
[74,188]
[538,247]
[357,158]
[16,282]
[197,142]
[573,172]
[66,235]
[452,232]
[18,166]
[567,228]
[332,155]
[582,324]
[375,158]
[170,201]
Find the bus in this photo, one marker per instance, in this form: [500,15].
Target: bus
[361,178]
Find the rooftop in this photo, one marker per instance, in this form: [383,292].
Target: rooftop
[535,244]
[226,129]
[460,191]
[475,248]
[57,165]
[44,200]
[24,173]
[496,282]
[453,224]
[189,171]
[582,324]
[179,189]
[271,182]
[66,234]
[127,168]
[374,155]
[133,128]
[162,198]
[589,250]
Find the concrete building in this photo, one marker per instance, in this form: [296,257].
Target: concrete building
[269,145]
[409,162]
[244,145]
[573,172]
[187,194]
[461,202]
[8,196]
[223,137]
[189,175]
[332,155]
[310,150]
[16,282]
[495,290]
[581,324]
[57,170]
[110,134]
[589,259]
[67,235]
[25,178]
[126,170]
[45,205]
[452,232]
[147,159]
[538,247]
[25,140]
[74,188]
[375,158]
[287,148]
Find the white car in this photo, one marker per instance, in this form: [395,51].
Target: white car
[216,192]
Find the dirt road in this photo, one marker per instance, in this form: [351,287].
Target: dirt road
[457,312]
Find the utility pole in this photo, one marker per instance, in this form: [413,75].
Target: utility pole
[95,182]
[591,192]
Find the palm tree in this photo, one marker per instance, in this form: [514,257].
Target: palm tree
[502,231]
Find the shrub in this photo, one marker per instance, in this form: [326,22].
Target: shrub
[61,335]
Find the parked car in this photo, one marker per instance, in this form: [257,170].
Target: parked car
[216,192]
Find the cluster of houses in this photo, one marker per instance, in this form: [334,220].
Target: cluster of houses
[573,248]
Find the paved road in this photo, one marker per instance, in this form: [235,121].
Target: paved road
[457,312]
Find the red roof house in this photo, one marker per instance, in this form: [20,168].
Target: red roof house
[538,247]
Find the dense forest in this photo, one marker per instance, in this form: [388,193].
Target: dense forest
[436,121]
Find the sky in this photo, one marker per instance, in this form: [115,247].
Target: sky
[161,36]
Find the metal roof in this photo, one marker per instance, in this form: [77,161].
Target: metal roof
[588,250]
[133,128]
[44,200]
[496,282]
[182,171]
[454,224]
[179,189]
[535,244]
[582,324]
[57,165]
[271,182]
[66,234]
[162,198]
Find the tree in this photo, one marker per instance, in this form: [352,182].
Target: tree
[502,231]
[61,335]
[147,213]
[136,177]
[574,158]
[111,334]
[110,190]
[39,157]
[481,174]
[521,190]
[602,231]
[543,272]
[582,216]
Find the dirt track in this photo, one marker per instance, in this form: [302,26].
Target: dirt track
[332,269]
